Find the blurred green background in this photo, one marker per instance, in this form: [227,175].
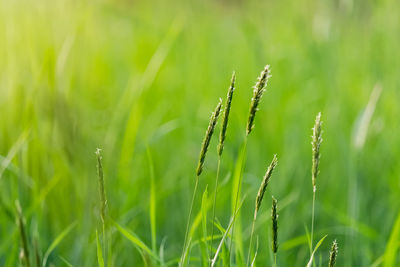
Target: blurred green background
[139,80]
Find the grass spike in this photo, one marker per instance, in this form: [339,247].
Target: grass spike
[316,143]
[207,137]
[203,152]
[224,125]
[258,91]
[264,184]
[333,254]
[259,198]
[274,220]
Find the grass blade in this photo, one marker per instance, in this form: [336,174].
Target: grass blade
[57,241]
[309,264]
[100,259]
[214,260]
[392,245]
[153,202]
[135,241]
[204,218]
[65,261]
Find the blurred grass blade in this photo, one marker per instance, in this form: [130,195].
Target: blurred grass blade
[236,188]
[126,103]
[204,219]
[13,151]
[100,258]
[309,264]
[135,241]
[65,261]
[153,203]
[362,123]
[255,254]
[392,245]
[294,242]
[57,241]
[214,260]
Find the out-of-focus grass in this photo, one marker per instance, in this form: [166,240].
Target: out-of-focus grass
[132,77]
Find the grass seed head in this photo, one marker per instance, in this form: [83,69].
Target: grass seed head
[333,254]
[103,200]
[316,143]
[274,219]
[258,91]
[225,118]
[207,137]
[264,184]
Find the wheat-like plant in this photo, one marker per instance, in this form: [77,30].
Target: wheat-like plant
[333,254]
[225,117]
[259,198]
[316,143]
[220,148]
[258,91]
[207,137]
[203,152]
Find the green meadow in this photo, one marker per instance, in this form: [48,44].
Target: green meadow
[140,79]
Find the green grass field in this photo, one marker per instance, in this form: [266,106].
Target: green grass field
[139,79]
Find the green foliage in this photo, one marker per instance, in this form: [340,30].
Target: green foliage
[133,76]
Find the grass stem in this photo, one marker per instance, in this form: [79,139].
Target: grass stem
[239,185]
[183,257]
[214,204]
[251,239]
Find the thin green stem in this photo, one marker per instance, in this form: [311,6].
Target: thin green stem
[251,240]
[238,194]
[214,204]
[104,241]
[274,259]
[182,262]
[312,220]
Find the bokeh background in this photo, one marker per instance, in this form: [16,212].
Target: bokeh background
[139,79]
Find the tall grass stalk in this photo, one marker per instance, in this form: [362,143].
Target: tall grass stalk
[220,148]
[258,91]
[316,143]
[103,200]
[203,152]
[259,198]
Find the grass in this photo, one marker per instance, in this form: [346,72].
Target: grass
[134,77]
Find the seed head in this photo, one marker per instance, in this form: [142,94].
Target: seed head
[333,254]
[264,184]
[258,91]
[316,143]
[207,137]
[227,109]
[274,219]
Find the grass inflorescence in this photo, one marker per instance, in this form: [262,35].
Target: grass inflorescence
[207,137]
[220,148]
[316,144]
[258,92]
[333,254]
[274,223]
[203,152]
